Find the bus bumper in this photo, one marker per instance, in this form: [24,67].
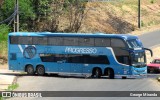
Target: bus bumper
[131,76]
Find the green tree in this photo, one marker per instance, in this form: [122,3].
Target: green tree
[25,11]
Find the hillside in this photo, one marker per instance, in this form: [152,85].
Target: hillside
[109,16]
[120,16]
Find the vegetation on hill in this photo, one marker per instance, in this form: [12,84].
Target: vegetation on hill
[120,16]
[110,16]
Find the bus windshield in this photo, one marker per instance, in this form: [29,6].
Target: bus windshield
[135,43]
[139,59]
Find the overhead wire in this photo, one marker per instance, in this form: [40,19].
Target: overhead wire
[10,17]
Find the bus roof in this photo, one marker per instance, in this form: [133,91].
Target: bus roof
[100,35]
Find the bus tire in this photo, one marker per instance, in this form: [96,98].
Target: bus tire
[111,73]
[40,70]
[97,73]
[30,70]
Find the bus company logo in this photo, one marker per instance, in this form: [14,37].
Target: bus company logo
[29,52]
[6,94]
[81,50]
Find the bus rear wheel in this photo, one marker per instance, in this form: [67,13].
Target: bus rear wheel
[111,73]
[30,70]
[97,73]
[40,70]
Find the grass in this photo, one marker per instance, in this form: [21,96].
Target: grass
[1,98]
[12,87]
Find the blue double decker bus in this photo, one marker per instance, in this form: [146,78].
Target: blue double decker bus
[95,55]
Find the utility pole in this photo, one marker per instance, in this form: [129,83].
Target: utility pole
[16,18]
[139,13]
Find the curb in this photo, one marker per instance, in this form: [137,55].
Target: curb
[6,81]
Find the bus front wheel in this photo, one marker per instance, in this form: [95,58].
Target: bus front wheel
[40,70]
[30,70]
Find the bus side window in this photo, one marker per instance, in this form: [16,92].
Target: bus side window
[86,41]
[70,41]
[40,40]
[99,59]
[55,41]
[74,58]
[52,40]
[25,40]
[14,39]
[102,42]
[117,43]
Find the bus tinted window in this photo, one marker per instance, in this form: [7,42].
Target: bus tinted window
[117,43]
[86,41]
[86,59]
[104,42]
[55,41]
[40,40]
[70,41]
[99,59]
[14,39]
[25,40]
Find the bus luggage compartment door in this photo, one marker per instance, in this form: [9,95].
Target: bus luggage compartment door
[76,68]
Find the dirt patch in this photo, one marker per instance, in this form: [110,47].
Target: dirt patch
[120,25]
[3,60]
[121,17]
[4,66]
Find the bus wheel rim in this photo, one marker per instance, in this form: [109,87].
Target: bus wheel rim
[30,70]
[40,70]
[97,73]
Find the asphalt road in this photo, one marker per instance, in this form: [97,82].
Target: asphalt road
[150,39]
[52,83]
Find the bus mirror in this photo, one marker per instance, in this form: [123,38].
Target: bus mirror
[150,51]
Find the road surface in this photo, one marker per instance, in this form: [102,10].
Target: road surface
[150,39]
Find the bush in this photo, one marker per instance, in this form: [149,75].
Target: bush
[4,30]
[152,1]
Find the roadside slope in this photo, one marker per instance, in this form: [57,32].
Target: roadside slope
[120,16]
